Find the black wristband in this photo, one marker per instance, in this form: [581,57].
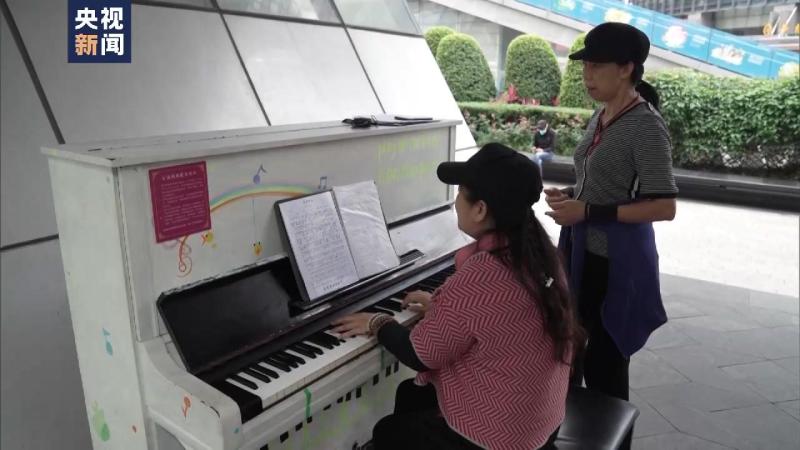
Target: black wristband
[601,213]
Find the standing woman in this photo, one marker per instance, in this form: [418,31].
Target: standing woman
[624,182]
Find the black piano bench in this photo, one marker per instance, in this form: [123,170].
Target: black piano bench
[594,421]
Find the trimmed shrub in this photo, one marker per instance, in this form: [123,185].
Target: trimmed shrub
[532,68]
[573,93]
[728,125]
[465,68]
[434,35]
[514,125]
[736,125]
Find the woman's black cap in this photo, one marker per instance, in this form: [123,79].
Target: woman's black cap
[614,42]
[506,180]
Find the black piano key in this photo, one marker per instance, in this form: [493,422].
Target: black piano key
[320,341]
[335,336]
[244,382]
[292,360]
[310,346]
[328,338]
[277,364]
[257,375]
[249,403]
[268,372]
[302,350]
[391,304]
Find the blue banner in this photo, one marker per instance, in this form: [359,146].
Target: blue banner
[739,55]
[718,48]
[784,64]
[681,37]
[99,31]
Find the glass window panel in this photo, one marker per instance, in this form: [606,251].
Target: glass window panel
[382,14]
[27,201]
[321,10]
[184,76]
[407,79]
[302,72]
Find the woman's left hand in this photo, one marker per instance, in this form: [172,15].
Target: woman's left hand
[352,325]
[568,212]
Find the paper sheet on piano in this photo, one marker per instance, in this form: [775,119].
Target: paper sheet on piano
[318,243]
[365,227]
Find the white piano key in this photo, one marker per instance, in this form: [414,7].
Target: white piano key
[314,368]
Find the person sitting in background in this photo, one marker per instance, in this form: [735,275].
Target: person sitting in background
[544,144]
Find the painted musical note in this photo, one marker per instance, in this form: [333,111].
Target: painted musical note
[257,176]
[187,403]
[99,423]
[107,339]
[323,183]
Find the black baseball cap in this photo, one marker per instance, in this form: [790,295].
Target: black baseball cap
[506,180]
[614,42]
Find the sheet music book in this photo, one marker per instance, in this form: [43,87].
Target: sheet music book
[336,238]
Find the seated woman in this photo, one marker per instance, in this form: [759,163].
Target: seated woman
[493,349]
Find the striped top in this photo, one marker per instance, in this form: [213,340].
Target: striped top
[632,161]
[492,363]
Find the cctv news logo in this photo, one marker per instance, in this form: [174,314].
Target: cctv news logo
[99,31]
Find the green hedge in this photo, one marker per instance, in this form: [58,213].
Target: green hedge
[435,34]
[573,93]
[733,125]
[465,68]
[532,68]
[730,125]
[514,125]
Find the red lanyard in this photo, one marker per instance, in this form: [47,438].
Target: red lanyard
[598,129]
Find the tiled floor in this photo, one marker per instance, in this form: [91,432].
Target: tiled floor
[724,373]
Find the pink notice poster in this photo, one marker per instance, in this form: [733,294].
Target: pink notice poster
[180,200]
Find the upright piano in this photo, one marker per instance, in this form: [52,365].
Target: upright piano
[189,328]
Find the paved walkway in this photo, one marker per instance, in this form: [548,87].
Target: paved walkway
[724,372]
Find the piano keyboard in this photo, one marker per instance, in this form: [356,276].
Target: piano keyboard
[288,370]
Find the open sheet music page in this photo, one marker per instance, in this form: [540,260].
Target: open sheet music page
[365,226]
[318,242]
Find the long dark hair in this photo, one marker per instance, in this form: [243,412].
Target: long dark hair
[645,89]
[534,259]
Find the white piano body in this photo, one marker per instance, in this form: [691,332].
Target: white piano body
[143,390]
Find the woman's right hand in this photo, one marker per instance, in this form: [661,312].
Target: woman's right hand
[418,301]
[554,195]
